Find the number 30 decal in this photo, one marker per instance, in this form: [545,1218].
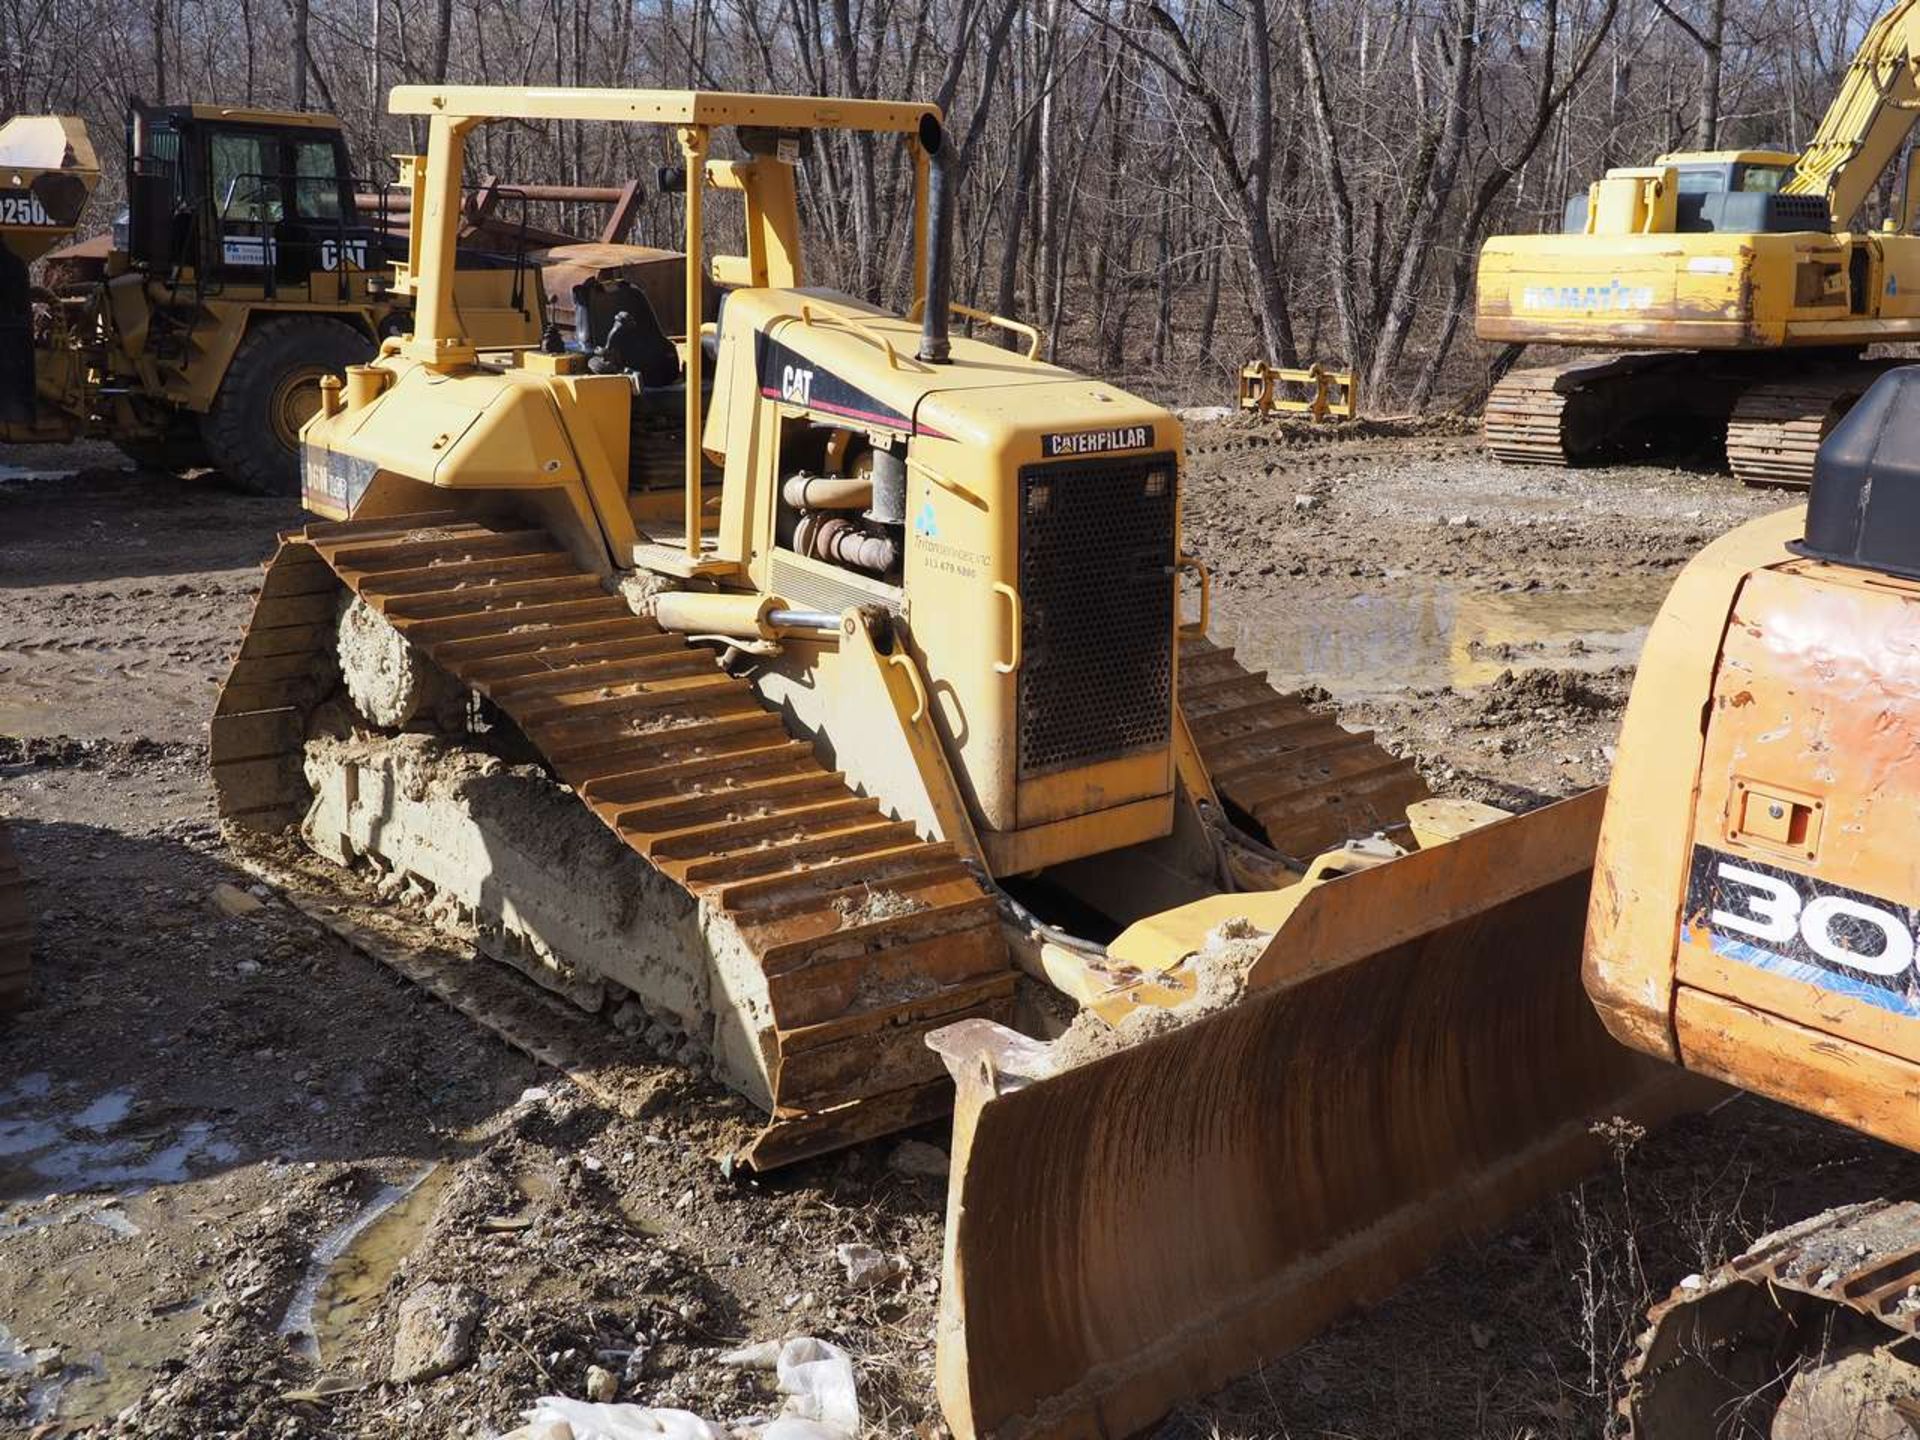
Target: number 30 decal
[1771,909]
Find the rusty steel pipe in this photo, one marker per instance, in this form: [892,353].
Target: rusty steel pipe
[828,492]
[843,542]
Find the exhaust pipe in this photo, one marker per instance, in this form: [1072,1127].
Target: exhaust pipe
[935,348]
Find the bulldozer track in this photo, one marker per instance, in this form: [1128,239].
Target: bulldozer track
[687,767]
[1297,777]
[16,934]
[1722,1346]
[1775,431]
[691,770]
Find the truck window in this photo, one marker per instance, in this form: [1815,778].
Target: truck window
[316,180]
[245,171]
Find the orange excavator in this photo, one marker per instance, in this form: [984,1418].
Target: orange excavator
[1754,915]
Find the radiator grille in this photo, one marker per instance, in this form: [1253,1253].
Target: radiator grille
[1097,609]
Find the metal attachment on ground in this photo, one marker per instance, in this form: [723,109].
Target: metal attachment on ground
[1333,394]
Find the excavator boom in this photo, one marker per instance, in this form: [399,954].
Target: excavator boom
[1868,120]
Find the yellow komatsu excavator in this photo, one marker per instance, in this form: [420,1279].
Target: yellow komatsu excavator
[816,679]
[1755,908]
[1733,278]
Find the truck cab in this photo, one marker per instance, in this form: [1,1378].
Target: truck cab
[241,196]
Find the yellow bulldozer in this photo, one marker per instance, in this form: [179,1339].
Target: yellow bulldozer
[1733,280]
[818,679]
[241,274]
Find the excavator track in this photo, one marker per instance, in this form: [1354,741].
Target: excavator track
[16,935]
[1813,1332]
[1775,431]
[1565,414]
[688,769]
[1295,776]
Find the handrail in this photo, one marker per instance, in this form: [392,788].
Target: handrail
[852,322]
[1016,620]
[905,662]
[1035,339]
[1016,327]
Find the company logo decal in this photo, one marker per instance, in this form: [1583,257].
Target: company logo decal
[1587,298]
[1096,442]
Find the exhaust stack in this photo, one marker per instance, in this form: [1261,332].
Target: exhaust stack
[935,348]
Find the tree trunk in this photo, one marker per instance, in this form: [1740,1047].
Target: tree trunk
[300,61]
[1706,124]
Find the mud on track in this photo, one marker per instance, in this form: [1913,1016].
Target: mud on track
[196,1102]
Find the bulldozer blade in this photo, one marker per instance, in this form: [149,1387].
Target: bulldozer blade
[1414,1059]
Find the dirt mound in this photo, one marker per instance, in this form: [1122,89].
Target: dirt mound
[1245,431]
[1220,969]
[62,752]
[1517,694]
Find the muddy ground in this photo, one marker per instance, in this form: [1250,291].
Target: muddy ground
[208,1096]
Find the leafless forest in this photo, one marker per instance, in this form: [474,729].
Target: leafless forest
[1168,187]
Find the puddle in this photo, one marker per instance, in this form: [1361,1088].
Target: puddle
[353,1265]
[45,1154]
[43,1394]
[106,1112]
[79,1389]
[1369,645]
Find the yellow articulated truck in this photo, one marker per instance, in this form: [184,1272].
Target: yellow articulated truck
[241,276]
[1728,289]
[816,678]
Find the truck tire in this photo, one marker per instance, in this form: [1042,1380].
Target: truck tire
[270,390]
[177,451]
[16,938]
